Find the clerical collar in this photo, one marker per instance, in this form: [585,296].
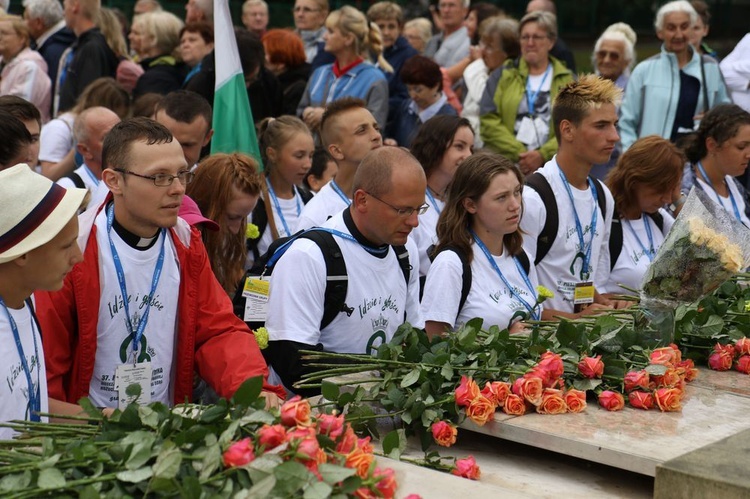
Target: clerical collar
[380,251]
[132,240]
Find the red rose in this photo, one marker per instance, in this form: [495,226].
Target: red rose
[530,388]
[467,468]
[742,346]
[743,364]
[514,405]
[552,402]
[729,349]
[663,356]
[444,433]
[552,363]
[575,400]
[331,425]
[309,448]
[668,399]
[295,412]
[271,437]
[641,400]
[720,361]
[636,379]
[386,481]
[690,371]
[467,391]
[239,453]
[480,410]
[591,367]
[348,441]
[611,401]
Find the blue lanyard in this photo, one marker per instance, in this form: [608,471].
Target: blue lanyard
[135,334]
[91,175]
[277,206]
[650,251]
[341,194]
[586,254]
[718,198]
[433,201]
[35,398]
[521,272]
[282,249]
[531,96]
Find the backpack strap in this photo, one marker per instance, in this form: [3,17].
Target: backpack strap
[337,279]
[402,254]
[30,304]
[76,179]
[616,237]
[260,219]
[523,259]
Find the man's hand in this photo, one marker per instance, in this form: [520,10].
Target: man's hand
[530,161]
[273,401]
[311,116]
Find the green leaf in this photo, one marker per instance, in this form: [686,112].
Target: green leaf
[214,413]
[136,476]
[139,456]
[318,490]
[50,478]
[586,384]
[211,461]
[49,462]
[656,369]
[263,466]
[161,485]
[292,475]
[411,378]
[713,325]
[263,489]
[390,442]
[333,474]
[351,484]
[228,435]
[330,390]
[16,481]
[263,417]
[447,371]
[190,487]
[149,417]
[89,492]
[168,462]
[89,408]
[248,391]
[566,333]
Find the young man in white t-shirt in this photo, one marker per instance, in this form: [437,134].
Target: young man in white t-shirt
[348,132]
[38,232]
[584,115]
[389,193]
[144,307]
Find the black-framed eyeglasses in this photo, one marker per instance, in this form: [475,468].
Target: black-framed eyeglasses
[403,212]
[162,179]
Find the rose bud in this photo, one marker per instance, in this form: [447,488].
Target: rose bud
[467,468]
[641,400]
[467,391]
[668,399]
[239,453]
[480,410]
[514,405]
[444,433]
[636,379]
[295,412]
[552,402]
[591,367]
[720,361]
[575,400]
[611,401]
[743,364]
[742,346]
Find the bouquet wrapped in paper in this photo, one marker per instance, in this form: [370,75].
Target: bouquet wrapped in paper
[706,246]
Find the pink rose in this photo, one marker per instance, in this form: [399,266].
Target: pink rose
[295,412]
[729,349]
[271,437]
[444,433]
[575,400]
[720,361]
[348,442]
[663,356]
[514,405]
[386,484]
[413,496]
[743,364]
[480,410]
[552,402]
[552,363]
[668,399]
[530,388]
[591,367]
[467,391]
[331,425]
[496,392]
[636,379]
[611,401]
[467,468]
[309,448]
[742,346]
[365,445]
[690,371]
[239,453]
[641,400]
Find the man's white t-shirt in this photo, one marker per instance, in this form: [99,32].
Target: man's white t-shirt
[56,138]
[425,235]
[633,261]
[291,209]
[726,202]
[98,190]
[377,296]
[114,343]
[554,271]
[14,388]
[326,203]
[488,298]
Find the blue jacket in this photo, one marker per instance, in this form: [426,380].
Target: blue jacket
[653,91]
[396,55]
[364,81]
[52,49]
[405,127]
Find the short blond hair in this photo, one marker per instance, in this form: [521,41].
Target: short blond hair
[577,98]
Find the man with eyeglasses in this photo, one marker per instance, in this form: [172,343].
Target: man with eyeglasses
[144,306]
[309,23]
[388,195]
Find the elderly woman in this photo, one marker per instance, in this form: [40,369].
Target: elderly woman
[156,36]
[498,40]
[24,72]
[285,57]
[418,32]
[517,124]
[668,94]
[614,53]
[309,23]
[196,42]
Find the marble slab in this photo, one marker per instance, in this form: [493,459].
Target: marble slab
[631,439]
[728,381]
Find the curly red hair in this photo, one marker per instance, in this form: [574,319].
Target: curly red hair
[284,46]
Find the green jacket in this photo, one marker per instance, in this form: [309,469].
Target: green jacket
[497,127]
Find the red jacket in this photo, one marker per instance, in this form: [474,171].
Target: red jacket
[211,339]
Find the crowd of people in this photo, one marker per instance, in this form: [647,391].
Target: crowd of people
[428,170]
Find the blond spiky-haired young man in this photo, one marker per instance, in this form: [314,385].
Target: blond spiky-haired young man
[568,214]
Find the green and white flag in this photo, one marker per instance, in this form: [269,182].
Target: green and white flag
[234,129]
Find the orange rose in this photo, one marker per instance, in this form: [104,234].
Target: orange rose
[663,356]
[575,400]
[348,442]
[743,364]
[611,401]
[444,433]
[467,391]
[668,399]
[670,378]
[552,363]
[742,346]
[636,379]
[295,412]
[690,371]
[552,402]
[496,391]
[514,405]
[591,367]
[677,353]
[360,461]
[641,400]
[467,468]
[530,388]
[480,410]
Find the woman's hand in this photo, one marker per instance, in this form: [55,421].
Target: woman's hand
[311,116]
[530,161]
[273,401]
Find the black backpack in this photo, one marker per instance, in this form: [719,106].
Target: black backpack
[547,236]
[615,235]
[76,179]
[337,279]
[523,259]
[260,219]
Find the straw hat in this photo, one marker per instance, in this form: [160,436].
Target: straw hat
[33,210]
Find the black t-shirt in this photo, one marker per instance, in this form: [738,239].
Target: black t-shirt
[690,88]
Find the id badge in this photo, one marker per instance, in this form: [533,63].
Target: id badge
[133,374]
[583,295]
[255,291]
[526,133]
